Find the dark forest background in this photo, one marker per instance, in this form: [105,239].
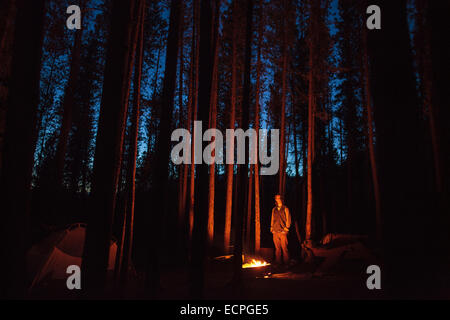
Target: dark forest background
[86,118]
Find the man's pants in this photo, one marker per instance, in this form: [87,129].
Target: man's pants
[281,242]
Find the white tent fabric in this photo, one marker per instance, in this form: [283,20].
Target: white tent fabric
[50,258]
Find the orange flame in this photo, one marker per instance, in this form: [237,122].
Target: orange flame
[255,264]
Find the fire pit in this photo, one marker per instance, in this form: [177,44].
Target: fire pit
[252,267]
[255,268]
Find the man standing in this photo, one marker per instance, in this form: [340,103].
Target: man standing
[279,226]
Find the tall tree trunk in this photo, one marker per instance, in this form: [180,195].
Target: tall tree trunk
[134,134]
[304,191]
[426,66]
[160,172]
[19,143]
[68,106]
[439,53]
[243,172]
[398,120]
[109,144]
[199,236]
[248,225]
[371,142]
[188,124]
[213,120]
[8,10]
[281,182]
[257,116]
[297,169]
[194,117]
[181,168]
[311,119]
[232,125]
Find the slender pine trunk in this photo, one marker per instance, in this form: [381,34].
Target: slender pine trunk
[68,106]
[213,120]
[18,149]
[181,168]
[232,124]
[109,145]
[248,223]
[311,120]
[134,134]
[281,181]
[243,172]
[194,117]
[160,172]
[257,117]
[199,236]
[371,144]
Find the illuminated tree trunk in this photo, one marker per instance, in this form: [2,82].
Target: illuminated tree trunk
[248,224]
[304,191]
[311,120]
[134,134]
[232,120]
[19,143]
[122,206]
[297,168]
[109,144]
[257,117]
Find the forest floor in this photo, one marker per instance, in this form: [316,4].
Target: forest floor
[333,274]
[299,282]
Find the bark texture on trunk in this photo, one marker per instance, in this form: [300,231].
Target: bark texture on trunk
[200,230]
[68,106]
[109,144]
[18,149]
[243,172]
[213,118]
[134,134]
[160,172]
[232,125]
[311,118]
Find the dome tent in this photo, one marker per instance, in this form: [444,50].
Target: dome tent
[49,259]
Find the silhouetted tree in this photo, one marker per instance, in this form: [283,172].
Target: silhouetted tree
[200,227]
[109,144]
[160,171]
[19,143]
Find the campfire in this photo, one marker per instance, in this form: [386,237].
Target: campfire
[250,263]
[255,264]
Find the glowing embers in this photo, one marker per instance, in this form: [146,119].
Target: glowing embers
[255,264]
[247,263]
